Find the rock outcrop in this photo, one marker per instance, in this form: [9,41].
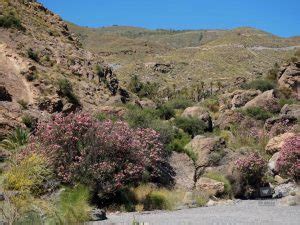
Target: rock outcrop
[237,99]
[266,101]
[228,118]
[280,125]
[184,171]
[289,78]
[291,110]
[199,113]
[275,144]
[210,186]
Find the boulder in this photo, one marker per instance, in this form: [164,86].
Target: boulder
[290,79]
[237,99]
[184,170]
[266,101]
[210,186]
[146,104]
[209,150]
[291,110]
[112,111]
[284,190]
[272,162]
[4,95]
[51,104]
[275,144]
[69,107]
[98,215]
[279,180]
[199,113]
[227,118]
[280,124]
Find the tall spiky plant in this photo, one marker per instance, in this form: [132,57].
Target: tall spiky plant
[15,140]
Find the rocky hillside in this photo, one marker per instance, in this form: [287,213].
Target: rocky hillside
[191,56]
[44,68]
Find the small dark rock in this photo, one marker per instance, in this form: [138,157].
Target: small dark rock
[2,197]
[98,214]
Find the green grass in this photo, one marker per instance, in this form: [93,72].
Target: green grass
[73,206]
[258,113]
[15,140]
[10,21]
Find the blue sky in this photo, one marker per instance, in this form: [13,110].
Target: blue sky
[281,17]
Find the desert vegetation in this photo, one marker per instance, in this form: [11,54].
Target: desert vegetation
[169,122]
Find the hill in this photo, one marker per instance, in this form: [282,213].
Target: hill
[193,55]
[43,67]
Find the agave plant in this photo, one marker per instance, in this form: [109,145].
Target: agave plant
[15,140]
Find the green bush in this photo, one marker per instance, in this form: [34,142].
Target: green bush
[28,175]
[221,178]
[179,141]
[212,104]
[73,206]
[33,55]
[259,84]
[190,125]
[179,103]
[66,90]
[10,21]
[258,113]
[165,130]
[147,89]
[15,140]
[288,101]
[166,112]
[137,117]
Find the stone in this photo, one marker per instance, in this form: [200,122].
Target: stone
[112,111]
[184,170]
[227,118]
[291,110]
[290,79]
[206,148]
[279,180]
[267,101]
[4,95]
[275,144]
[51,104]
[98,215]
[2,197]
[272,162]
[284,190]
[209,186]
[146,104]
[69,107]
[237,99]
[280,124]
[199,113]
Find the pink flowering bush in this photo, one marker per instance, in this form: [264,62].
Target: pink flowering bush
[107,155]
[288,162]
[252,168]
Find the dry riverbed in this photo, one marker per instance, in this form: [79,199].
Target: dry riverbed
[239,213]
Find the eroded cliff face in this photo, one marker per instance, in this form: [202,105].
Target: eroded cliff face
[38,54]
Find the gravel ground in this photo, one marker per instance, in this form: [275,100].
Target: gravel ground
[242,212]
